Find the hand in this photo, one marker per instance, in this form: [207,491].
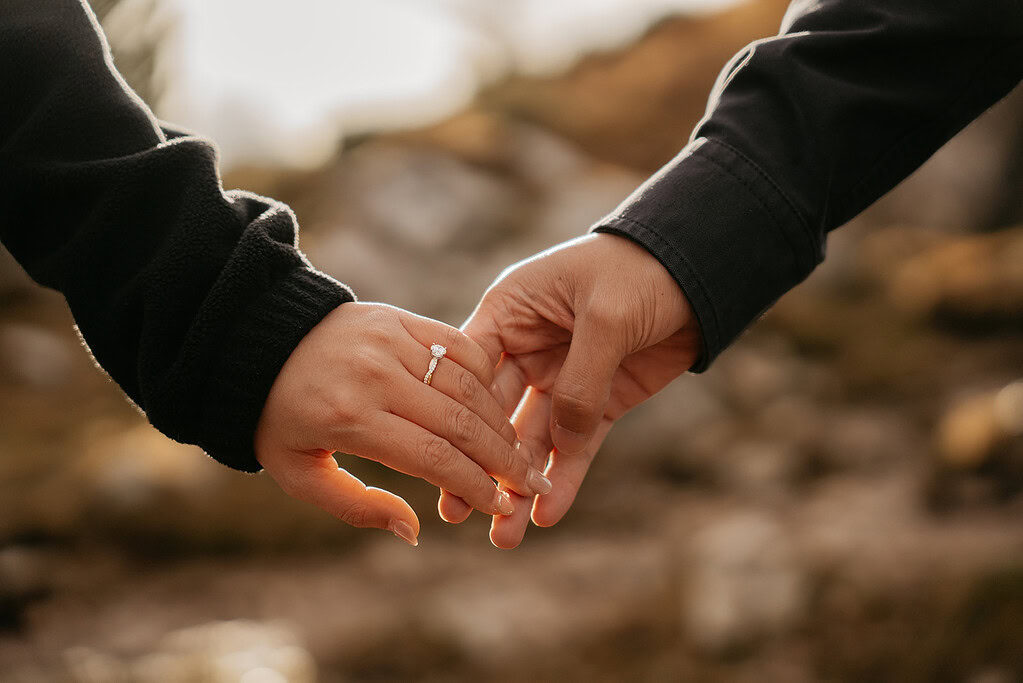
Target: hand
[354,384]
[584,332]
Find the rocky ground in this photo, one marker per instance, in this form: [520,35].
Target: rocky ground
[838,498]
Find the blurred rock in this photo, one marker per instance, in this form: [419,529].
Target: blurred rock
[22,572]
[1008,409]
[133,470]
[974,280]
[992,675]
[23,579]
[759,468]
[794,418]
[665,78]
[132,488]
[491,626]
[864,440]
[511,147]
[86,665]
[745,583]
[976,427]
[425,199]
[882,251]
[684,411]
[574,204]
[34,356]
[754,377]
[498,616]
[217,652]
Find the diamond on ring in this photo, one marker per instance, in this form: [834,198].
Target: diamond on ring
[436,353]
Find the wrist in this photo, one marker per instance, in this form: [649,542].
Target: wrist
[651,280]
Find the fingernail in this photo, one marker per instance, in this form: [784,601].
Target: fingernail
[504,504]
[539,484]
[403,530]
[568,441]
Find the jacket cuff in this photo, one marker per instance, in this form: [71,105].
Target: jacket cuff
[727,234]
[253,355]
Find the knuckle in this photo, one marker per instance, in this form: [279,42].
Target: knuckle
[512,465]
[468,388]
[479,493]
[507,432]
[486,372]
[372,368]
[356,514]
[452,336]
[464,426]
[341,410]
[436,453]
[573,402]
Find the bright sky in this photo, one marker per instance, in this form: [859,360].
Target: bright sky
[277,82]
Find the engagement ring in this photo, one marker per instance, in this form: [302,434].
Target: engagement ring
[437,352]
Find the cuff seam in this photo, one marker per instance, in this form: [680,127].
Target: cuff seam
[764,204]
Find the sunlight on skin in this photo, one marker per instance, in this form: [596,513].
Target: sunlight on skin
[280,83]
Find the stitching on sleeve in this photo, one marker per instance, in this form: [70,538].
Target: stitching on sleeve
[804,262]
[811,237]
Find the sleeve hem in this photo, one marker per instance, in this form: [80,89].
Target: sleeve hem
[253,355]
[684,274]
[725,231]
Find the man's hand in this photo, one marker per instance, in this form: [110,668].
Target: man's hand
[354,384]
[582,333]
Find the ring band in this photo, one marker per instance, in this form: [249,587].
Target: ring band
[436,352]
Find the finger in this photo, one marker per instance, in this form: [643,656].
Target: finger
[453,509]
[566,472]
[409,448]
[531,422]
[583,386]
[458,347]
[509,384]
[482,328]
[316,479]
[460,385]
[508,388]
[433,411]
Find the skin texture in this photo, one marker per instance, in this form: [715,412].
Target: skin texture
[580,335]
[355,385]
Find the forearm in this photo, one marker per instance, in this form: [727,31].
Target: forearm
[804,131]
[190,298]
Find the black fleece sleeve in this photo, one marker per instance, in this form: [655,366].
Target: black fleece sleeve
[189,297]
[805,130]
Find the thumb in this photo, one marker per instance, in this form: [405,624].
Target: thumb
[583,386]
[319,481]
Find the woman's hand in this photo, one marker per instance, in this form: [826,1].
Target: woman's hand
[354,384]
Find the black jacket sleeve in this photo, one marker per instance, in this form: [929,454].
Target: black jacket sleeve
[189,297]
[805,130]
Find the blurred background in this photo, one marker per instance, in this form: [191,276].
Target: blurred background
[839,498]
